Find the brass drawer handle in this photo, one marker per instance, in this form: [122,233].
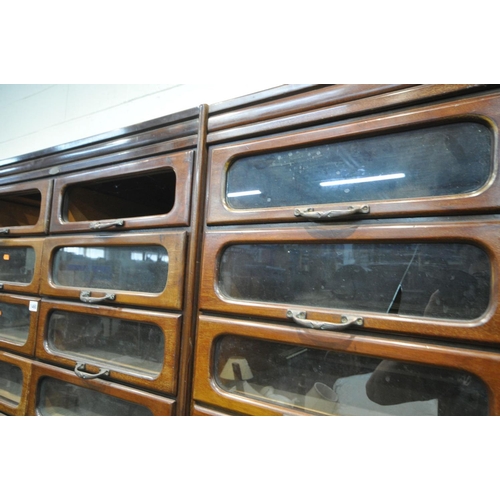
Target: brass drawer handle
[107,225]
[85,297]
[310,213]
[88,376]
[300,318]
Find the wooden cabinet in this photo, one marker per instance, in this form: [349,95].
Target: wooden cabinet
[306,250]
[350,257]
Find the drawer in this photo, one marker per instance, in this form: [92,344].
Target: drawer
[24,208]
[144,269]
[15,376]
[18,323]
[131,346]
[260,369]
[20,264]
[436,279]
[438,159]
[149,193]
[59,392]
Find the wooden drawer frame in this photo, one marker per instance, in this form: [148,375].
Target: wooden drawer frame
[480,233]
[26,367]
[33,304]
[483,364]
[159,406]
[170,298]
[44,186]
[170,325]
[180,163]
[483,109]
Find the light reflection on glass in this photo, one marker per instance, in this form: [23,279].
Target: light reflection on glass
[358,180]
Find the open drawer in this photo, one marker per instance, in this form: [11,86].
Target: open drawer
[131,346]
[25,208]
[255,368]
[148,193]
[145,269]
[59,392]
[434,278]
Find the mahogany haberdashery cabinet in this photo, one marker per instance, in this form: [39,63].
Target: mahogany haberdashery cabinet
[306,250]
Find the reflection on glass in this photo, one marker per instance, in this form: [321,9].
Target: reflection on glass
[336,383]
[58,398]
[14,323]
[20,209]
[436,161]
[128,268]
[445,280]
[127,346]
[132,196]
[17,264]
[11,383]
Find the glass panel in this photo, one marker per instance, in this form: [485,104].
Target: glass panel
[20,209]
[58,398]
[14,323]
[336,383]
[449,280]
[17,264]
[133,196]
[129,268]
[11,383]
[449,159]
[128,346]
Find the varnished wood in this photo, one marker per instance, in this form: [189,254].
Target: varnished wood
[169,324]
[28,348]
[158,405]
[170,298]
[26,367]
[483,364]
[179,163]
[485,109]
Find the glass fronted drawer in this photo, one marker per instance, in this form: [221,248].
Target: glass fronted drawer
[24,208]
[144,269]
[262,369]
[15,375]
[154,192]
[429,160]
[135,347]
[433,279]
[20,264]
[18,323]
[58,392]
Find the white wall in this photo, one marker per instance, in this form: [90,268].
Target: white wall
[34,117]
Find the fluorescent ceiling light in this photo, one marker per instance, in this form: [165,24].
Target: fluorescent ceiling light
[362,179]
[243,193]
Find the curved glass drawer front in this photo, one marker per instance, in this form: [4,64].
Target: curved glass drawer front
[436,161]
[137,195]
[128,268]
[17,264]
[11,383]
[58,398]
[20,209]
[336,383]
[445,280]
[14,323]
[128,346]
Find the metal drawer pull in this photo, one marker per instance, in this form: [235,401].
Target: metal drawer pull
[106,225]
[4,231]
[310,213]
[346,321]
[87,376]
[85,297]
